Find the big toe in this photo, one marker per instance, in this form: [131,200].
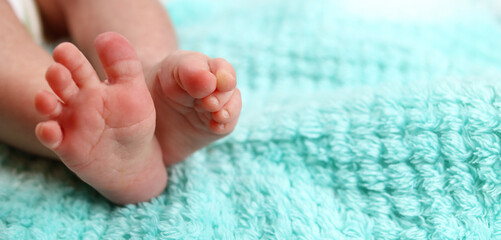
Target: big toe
[118,58]
[188,72]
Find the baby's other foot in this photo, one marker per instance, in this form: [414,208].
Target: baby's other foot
[197,102]
[103,131]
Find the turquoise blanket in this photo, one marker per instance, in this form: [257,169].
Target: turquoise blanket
[355,125]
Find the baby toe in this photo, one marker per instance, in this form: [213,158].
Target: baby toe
[47,104]
[59,79]
[230,111]
[215,101]
[222,128]
[75,61]
[195,76]
[49,133]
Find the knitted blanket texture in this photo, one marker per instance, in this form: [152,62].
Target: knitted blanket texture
[354,126]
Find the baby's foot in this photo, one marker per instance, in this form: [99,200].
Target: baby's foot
[103,131]
[197,102]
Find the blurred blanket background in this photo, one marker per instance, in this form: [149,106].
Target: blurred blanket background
[361,120]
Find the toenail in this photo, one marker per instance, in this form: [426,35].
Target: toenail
[223,75]
[225,113]
[223,79]
[213,101]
